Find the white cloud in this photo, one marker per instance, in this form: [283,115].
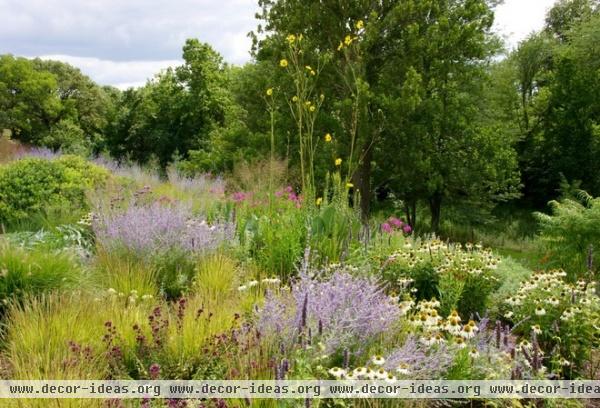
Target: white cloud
[122,74]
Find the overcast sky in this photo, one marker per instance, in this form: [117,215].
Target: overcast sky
[124,42]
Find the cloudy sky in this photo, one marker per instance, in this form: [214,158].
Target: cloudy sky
[124,42]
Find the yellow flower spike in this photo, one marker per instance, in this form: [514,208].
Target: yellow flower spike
[338,162]
[349,185]
[312,108]
[348,40]
[319,201]
[328,138]
[341,46]
[360,24]
[313,73]
[322,96]
[283,63]
[291,38]
[270,92]
[307,103]
[308,68]
[295,99]
[300,37]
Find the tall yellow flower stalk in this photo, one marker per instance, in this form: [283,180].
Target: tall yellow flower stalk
[304,106]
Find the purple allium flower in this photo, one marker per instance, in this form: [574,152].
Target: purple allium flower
[407,229]
[386,227]
[157,228]
[346,310]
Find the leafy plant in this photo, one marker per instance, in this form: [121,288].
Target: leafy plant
[571,233]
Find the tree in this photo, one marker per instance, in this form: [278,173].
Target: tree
[415,67]
[176,112]
[29,104]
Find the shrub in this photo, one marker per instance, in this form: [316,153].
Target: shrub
[569,233]
[34,272]
[32,185]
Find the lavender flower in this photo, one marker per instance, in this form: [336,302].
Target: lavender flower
[156,229]
[420,361]
[346,311]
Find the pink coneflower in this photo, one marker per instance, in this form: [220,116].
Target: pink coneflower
[407,229]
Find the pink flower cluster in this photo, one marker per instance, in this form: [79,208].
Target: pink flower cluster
[240,196]
[394,224]
[290,195]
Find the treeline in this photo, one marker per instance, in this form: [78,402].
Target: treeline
[417,99]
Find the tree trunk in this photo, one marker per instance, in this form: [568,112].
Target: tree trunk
[435,207]
[363,182]
[410,210]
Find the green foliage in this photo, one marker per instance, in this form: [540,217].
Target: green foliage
[571,235]
[52,104]
[34,272]
[32,186]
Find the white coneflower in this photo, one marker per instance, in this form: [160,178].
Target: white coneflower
[349,376]
[585,301]
[337,372]
[391,379]
[525,344]
[359,372]
[467,332]
[536,329]
[403,368]
[252,283]
[508,315]
[460,342]
[243,288]
[473,353]
[473,325]
[381,374]
[566,315]
[540,311]
[378,360]
[427,340]
[553,301]
[111,291]
[370,374]
[564,362]
[438,339]
[453,325]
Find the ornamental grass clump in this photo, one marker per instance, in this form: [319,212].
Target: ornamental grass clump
[339,312]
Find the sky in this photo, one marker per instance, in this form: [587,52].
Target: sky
[125,42]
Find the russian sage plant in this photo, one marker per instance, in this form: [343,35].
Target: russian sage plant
[157,229]
[342,311]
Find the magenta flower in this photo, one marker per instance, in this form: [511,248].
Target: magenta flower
[239,196]
[407,229]
[386,227]
[395,222]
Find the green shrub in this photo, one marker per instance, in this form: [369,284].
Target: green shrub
[32,186]
[34,272]
[569,232]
